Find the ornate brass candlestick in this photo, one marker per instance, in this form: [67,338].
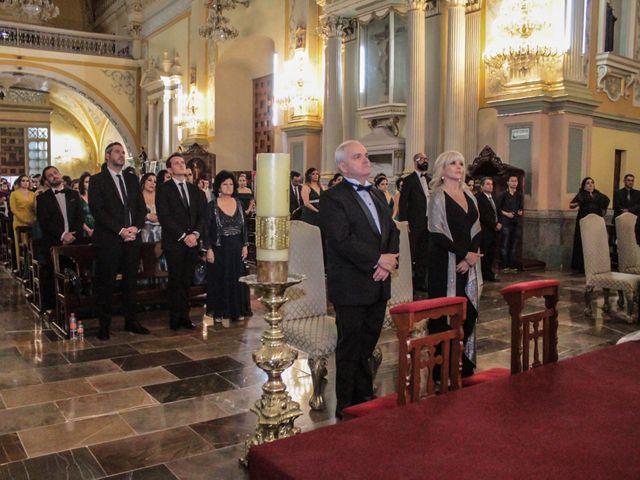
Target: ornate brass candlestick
[276,410]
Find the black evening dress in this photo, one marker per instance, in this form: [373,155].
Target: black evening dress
[460,223]
[245,200]
[226,235]
[595,202]
[309,216]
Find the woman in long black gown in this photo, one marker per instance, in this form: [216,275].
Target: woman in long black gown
[226,243]
[587,200]
[454,243]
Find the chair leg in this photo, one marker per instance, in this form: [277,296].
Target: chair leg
[318,367]
[606,308]
[588,292]
[620,299]
[631,299]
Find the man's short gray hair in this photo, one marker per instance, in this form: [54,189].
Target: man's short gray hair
[342,148]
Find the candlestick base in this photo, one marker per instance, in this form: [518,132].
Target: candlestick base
[276,410]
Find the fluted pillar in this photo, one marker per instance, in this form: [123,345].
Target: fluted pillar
[454,98]
[416,98]
[331,29]
[574,59]
[152,119]
[166,124]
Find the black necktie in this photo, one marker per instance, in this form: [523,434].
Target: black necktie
[183,196]
[125,201]
[628,195]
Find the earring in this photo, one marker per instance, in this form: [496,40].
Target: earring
[442,177]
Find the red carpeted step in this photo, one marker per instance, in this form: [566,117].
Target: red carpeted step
[485,376]
[380,404]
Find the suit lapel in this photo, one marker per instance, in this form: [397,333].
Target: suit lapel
[56,205]
[364,208]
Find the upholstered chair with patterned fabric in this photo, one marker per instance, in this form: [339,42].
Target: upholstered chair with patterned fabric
[597,267]
[628,249]
[307,327]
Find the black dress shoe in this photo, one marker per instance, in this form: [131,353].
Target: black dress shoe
[339,414]
[174,324]
[135,327]
[188,324]
[103,334]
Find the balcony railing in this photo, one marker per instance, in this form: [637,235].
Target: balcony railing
[59,40]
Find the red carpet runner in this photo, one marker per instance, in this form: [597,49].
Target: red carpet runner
[577,419]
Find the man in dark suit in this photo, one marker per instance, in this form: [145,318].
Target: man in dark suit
[60,217]
[490,227]
[181,208]
[627,199]
[116,202]
[414,199]
[295,195]
[362,250]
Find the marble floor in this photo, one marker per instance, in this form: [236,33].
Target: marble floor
[174,405]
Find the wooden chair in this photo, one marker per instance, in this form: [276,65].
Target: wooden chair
[597,267]
[541,324]
[418,355]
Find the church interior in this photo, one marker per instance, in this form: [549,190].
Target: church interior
[547,91]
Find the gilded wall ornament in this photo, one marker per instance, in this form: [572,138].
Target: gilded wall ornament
[123,83]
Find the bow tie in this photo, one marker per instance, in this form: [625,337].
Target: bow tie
[359,187]
[424,175]
[59,192]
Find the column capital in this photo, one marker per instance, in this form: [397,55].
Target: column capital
[332,26]
[417,4]
[457,3]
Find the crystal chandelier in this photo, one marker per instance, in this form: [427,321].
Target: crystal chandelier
[524,46]
[217,27]
[35,9]
[299,93]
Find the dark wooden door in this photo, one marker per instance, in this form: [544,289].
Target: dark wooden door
[262,115]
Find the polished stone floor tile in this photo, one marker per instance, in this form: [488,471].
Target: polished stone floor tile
[63,372]
[78,464]
[74,434]
[105,403]
[16,419]
[146,360]
[229,348]
[220,464]
[203,367]
[26,377]
[189,387]
[11,364]
[175,414]
[227,431]
[170,343]
[159,472]
[133,378]
[148,450]
[11,449]
[47,392]
[100,353]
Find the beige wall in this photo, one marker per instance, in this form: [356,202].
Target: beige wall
[604,144]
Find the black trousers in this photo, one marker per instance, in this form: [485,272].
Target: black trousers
[419,246]
[488,249]
[181,263]
[119,257]
[358,332]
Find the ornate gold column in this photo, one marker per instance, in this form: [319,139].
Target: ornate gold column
[331,28]
[166,124]
[416,100]
[152,119]
[573,68]
[454,89]
[473,56]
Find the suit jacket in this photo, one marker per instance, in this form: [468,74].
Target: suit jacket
[413,203]
[175,220]
[620,202]
[51,220]
[294,204]
[108,210]
[488,216]
[354,245]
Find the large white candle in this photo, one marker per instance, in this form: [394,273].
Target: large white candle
[272,205]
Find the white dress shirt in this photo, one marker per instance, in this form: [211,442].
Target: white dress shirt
[425,187]
[61,198]
[368,200]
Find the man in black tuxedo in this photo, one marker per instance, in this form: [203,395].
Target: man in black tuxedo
[362,244]
[414,199]
[116,202]
[490,227]
[59,214]
[627,199]
[181,208]
[295,195]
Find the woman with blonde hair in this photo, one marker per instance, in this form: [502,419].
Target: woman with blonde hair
[454,243]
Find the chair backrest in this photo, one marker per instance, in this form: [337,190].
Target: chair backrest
[595,246]
[527,330]
[628,249]
[401,282]
[308,298]
[82,257]
[419,354]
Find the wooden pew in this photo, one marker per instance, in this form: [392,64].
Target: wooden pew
[73,274]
